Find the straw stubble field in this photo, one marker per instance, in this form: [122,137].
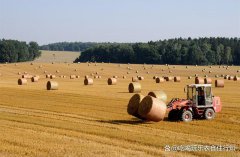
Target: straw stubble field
[79,120]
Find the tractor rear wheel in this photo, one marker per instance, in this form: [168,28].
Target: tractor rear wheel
[173,115]
[209,114]
[186,116]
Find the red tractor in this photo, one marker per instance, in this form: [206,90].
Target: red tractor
[200,103]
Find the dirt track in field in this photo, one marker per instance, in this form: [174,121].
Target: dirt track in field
[79,120]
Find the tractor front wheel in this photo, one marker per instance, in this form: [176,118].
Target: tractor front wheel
[186,116]
[209,114]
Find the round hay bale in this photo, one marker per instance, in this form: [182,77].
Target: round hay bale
[128,72]
[72,76]
[134,79]
[226,77]
[133,105]
[57,71]
[95,77]
[134,87]
[48,76]
[207,81]
[115,76]
[34,79]
[52,85]
[238,71]
[216,76]
[140,78]
[199,80]
[25,72]
[45,72]
[210,72]
[88,81]
[219,83]
[189,77]
[154,77]
[196,75]
[177,79]
[205,75]
[152,109]
[99,77]
[112,81]
[159,80]
[52,76]
[230,78]
[169,78]
[22,81]
[77,76]
[159,95]
[124,77]
[236,78]
[136,71]
[19,73]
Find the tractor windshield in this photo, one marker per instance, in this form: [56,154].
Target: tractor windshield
[191,93]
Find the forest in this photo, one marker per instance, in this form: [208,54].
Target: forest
[17,51]
[201,51]
[68,46]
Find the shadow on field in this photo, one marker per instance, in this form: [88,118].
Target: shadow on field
[118,122]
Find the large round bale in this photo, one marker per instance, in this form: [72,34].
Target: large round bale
[177,79]
[226,77]
[236,78]
[22,81]
[154,77]
[112,81]
[124,77]
[230,77]
[133,105]
[159,95]
[26,76]
[199,80]
[207,80]
[159,80]
[219,83]
[169,78]
[52,85]
[152,109]
[34,79]
[72,76]
[134,79]
[88,81]
[48,76]
[134,87]
[52,76]
[140,78]
[189,77]
[115,76]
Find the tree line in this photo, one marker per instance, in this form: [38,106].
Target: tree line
[18,51]
[201,51]
[68,46]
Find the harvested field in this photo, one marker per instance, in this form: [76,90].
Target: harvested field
[79,120]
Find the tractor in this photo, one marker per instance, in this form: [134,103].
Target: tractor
[200,104]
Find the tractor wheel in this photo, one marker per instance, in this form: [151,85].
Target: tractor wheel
[209,114]
[173,115]
[186,116]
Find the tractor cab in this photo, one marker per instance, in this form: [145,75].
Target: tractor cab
[200,95]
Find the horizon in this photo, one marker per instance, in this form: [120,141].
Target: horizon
[120,21]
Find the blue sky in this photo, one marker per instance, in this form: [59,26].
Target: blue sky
[47,21]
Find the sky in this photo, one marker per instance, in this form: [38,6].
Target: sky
[48,21]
